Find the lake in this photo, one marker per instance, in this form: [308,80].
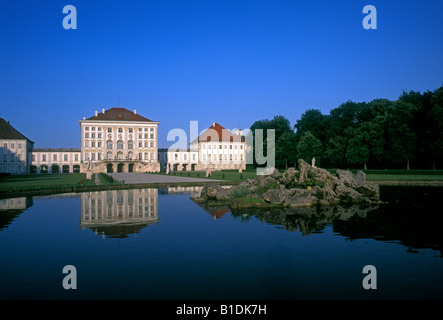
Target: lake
[159,244]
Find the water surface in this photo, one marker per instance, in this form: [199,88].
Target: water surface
[159,244]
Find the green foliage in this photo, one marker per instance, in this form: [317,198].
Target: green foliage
[240,193]
[308,147]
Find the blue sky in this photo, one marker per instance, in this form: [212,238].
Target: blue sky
[233,62]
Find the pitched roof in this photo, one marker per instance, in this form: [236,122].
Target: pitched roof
[119,114]
[9,132]
[216,132]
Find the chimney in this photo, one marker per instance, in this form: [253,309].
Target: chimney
[135,111]
[103,110]
[96,113]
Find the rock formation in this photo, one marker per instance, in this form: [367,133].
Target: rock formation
[308,186]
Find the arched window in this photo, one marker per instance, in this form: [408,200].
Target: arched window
[120,155]
[119,144]
[130,155]
[130,144]
[109,155]
[109,144]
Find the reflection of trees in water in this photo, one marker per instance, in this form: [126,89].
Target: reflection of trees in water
[412,217]
[306,220]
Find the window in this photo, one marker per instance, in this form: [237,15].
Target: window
[99,135]
[220,157]
[140,144]
[76,157]
[12,145]
[184,157]
[146,136]
[20,146]
[119,144]
[86,135]
[33,157]
[146,129]
[43,157]
[92,135]
[65,157]
[54,157]
[241,146]
[93,129]
[220,146]
[99,144]
[109,144]
[93,156]
[86,144]
[230,146]
[193,157]
[93,144]
[120,130]
[5,158]
[20,157]
[109,129]
[99,156]
[130,144]
[151,129]
[130,130]
[5,145]
[151,136]
[86,128]
[99,128]
[146,144]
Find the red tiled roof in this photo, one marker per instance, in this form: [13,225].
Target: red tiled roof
[119,114]
[216,132]
[9,132]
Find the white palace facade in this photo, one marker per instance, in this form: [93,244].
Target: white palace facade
[120,140]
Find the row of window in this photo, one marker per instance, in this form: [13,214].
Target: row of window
[99,136]
[120,144]
[223,157]
[220,146]
[55,157]
[120,156]
[12,157]
[109,129]
[12,145]
[220,157]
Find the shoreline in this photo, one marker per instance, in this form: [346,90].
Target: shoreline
[78,189]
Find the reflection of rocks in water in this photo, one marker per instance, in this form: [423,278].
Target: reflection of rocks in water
[305,219]
[310,219]
[11,208]
[412,217]
[118,213]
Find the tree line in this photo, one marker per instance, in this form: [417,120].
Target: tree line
[382,134]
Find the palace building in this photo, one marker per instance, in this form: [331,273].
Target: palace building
[120,140]
[216,149]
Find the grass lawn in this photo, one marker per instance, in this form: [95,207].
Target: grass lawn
[43,180]
[230,175]
[371,175]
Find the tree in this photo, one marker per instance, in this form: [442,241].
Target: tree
[284,139]
[309,147]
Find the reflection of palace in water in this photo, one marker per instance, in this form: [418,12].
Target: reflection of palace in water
[117,213]
[12,208]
